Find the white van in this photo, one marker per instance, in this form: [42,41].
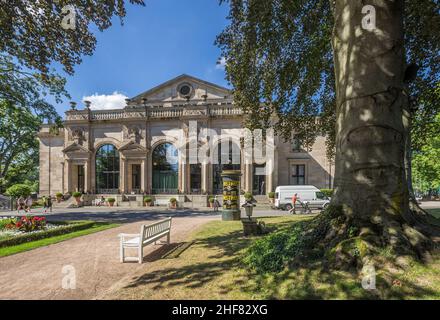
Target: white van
[315,198]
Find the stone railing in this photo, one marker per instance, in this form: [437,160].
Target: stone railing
[155,112]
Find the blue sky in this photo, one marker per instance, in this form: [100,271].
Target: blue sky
[156,43]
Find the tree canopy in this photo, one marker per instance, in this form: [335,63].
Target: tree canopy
[279,54]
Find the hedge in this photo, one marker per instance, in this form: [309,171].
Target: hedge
[68,228]
[327,192]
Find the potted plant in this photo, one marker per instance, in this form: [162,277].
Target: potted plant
[148,201]
[77,196]
[211,201]
[248,196]
[59,196]
[271,196]
[111,201]
[173,203]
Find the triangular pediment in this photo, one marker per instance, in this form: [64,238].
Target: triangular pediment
[76,148]
[132,146]
[169,91]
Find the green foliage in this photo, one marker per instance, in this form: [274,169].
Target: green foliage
[280,62]
[111,200]
[248,196]
[271,195]
[5,222]
[425,162]
[76,194]
[173,200]
[69,227]
[327,192]
[271,253]
[59,195]
[18,146]
[148,199]
[211,199]
[19,190]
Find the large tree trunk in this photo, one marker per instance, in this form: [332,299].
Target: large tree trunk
[371,131]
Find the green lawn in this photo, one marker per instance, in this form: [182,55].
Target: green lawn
[434,212]
[45,242]
[212,268]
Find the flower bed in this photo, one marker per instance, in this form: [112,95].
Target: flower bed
[14,236]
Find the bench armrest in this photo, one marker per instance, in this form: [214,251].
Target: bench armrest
[128,235]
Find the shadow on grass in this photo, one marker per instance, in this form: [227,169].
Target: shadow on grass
[218,255]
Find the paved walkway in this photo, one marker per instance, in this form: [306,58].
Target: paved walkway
[38,274]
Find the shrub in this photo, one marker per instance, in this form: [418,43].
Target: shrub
[59,195]
[29,237]
[19,190]
[327,192]
[248,196]
[211,199]
[272,253]
[173,200]
[77,194]
[5,222]
[148,199]
[271,195]
[28,224]
[111,200]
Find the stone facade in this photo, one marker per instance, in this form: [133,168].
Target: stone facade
[157,116]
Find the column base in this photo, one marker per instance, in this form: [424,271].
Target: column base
[231,215]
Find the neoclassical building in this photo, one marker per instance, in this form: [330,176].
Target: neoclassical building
[126,151]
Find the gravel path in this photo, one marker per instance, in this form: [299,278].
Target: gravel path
[38,274]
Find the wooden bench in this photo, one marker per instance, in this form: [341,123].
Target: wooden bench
[149,234]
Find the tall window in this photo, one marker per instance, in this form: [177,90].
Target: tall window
[296,145]
[81,178]
[218,168]
[298,174]
[107,169]
[135,177]
[165,169]
[196,177]
[259,179]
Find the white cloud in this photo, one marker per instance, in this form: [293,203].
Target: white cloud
[221,63]
[104,101]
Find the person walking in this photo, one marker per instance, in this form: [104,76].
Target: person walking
[20,204]
[44,199]
[49,203]
[295,198]
[28,204]
[215,204]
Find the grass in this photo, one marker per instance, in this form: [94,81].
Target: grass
[48,241]
[434,212]
[212,268]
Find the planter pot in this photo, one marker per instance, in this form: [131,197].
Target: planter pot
[211,204]
[58,200]
[78,200]
[148,204]
[272,200]
[111,204]
[173,205]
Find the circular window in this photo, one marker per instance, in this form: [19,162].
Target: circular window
[185,90]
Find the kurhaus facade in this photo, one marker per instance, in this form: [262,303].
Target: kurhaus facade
[124,151]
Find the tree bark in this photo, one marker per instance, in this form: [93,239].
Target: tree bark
[372,121]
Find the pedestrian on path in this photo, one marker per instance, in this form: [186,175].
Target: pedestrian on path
[215,204]
[28,204]
[295,198]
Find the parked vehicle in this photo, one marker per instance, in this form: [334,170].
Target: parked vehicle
[314,197]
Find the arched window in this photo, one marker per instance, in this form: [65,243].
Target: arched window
[107,169]
[218,168]
[165,169]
